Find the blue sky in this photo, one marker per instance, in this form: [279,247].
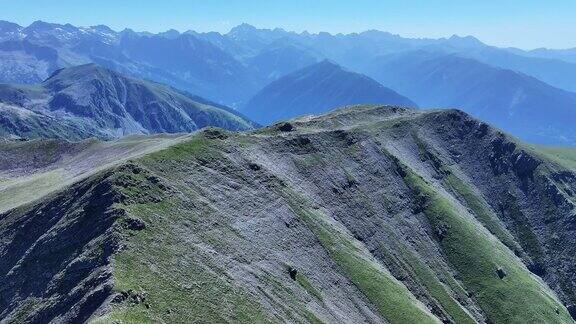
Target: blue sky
[524,24]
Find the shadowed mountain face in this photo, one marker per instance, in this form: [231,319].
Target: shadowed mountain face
[556,72]
[90,101]
[367,214]
[317,89]
[515,102]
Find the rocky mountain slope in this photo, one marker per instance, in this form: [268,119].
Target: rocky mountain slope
[367,214]
[317,89]
[517,103]
[90,101]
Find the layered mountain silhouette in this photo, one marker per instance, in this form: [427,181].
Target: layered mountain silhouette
[190,63]
[515,102]
[567,55]
[91,101]
[183,60]
[282,58]
[317,89]
[231,68]
[556,72]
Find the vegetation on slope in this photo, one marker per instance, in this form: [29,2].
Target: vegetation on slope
[341,218]
[481,260]
[393,300]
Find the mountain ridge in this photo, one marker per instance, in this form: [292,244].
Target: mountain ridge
[230,68]
[516,102]
[389,214]
[89,100]
[316,89]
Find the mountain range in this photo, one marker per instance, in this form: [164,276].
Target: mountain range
[317,89]
[268,176]
[373,214]
[531,97]
[513,101]
[91,101]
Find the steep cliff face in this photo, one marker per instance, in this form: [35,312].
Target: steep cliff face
[367,214]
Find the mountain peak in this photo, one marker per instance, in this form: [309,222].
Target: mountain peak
[316,89]
[243,28]
[465,41]
[42,25]
[103,29]
[8,26]
[170,34]
[90,100]
[328,63]
[77,74]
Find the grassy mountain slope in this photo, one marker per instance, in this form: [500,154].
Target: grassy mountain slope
[367,214]
[90,101]
[33,169]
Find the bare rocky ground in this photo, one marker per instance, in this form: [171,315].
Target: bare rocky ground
[367,214]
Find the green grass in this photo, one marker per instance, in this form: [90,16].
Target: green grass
[565,156]
[308,161]
[518,298]
[312,318]
[522,229]
[179,283]
[481,210]
[90,157]
[24,310]
[466,194]
[390,297]
[427,278]
[22,190]
[305,283]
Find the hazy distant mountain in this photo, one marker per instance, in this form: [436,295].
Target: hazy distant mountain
[194,64]
[9,30]
[281,58]
[24,62]
[256,38]
[90,101]
[231,68]
[183,61]
[520,104]
[317,89]
[567,55]
[351,50]
[556,72]
[170,34]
